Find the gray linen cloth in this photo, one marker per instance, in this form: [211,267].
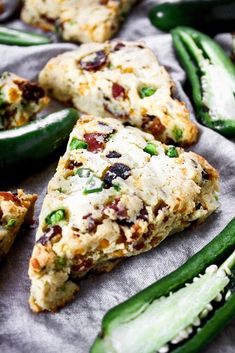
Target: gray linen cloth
[74,328]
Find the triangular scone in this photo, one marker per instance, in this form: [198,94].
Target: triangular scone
[78,21]
[15,209]
[117,192]
[123,80]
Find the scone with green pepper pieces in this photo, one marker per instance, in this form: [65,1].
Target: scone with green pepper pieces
[117,192]
[78,21]
[20,100]
[15,209]
[123,80]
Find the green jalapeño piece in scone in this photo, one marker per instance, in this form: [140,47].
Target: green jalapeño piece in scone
[20,100]
[15,209]
[118,194]
[123,80]
[78,21]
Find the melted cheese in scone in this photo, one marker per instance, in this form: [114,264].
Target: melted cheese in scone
[82,21]
[123,80]
[117,192]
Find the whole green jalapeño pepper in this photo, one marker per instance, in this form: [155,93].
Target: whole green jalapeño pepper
[180,313]
[212,77]
[210,16]
[11,36]
[35,141]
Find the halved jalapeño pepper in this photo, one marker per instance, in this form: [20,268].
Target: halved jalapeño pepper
[180,313]
[210,16]
[212,77]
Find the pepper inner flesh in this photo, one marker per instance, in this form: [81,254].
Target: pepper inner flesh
[165,318]
[217,83]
